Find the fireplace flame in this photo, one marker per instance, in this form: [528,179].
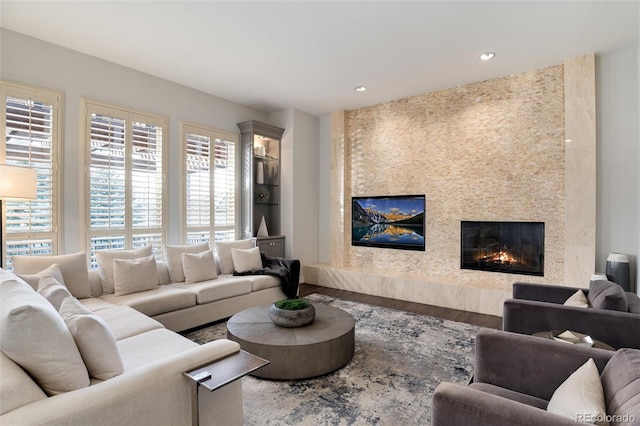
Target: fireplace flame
[500,256]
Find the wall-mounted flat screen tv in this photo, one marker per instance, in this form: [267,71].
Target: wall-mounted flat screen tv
[388,222]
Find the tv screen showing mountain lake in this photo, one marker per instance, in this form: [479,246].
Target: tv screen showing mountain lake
[389,222]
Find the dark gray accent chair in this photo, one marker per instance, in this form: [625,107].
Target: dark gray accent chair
[516,375]
[613,316]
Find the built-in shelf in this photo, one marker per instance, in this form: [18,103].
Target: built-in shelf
[260,157]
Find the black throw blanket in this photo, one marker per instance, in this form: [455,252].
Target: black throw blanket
[286,270]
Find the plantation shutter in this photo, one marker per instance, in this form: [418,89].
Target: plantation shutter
[210,184]
[125,179]
[30,121]
[225,187]
[197,188]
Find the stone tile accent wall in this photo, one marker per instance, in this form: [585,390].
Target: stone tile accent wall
[488,151]
[496,150]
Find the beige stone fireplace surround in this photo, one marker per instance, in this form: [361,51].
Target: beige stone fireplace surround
[517,148]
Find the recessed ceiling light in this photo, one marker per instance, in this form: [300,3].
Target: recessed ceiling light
[360,88]
[486,56]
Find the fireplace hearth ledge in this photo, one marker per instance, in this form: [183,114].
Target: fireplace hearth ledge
[419,289]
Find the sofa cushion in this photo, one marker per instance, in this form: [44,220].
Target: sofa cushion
[199,267]
[34,279]
[222,288]
[35,337]
[134,275]
[16,387]
[260,282]
[245,260]
[95,304]
[149,347]
[73,267]
[125,322]
[95,341]
[173,257]
[621,383]
[105,263]
[634,303]
[577,299]
[509,394]
[607,295]
[153,302]
[580,396]
[223,253]
[53,291]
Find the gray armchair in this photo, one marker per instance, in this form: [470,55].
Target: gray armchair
[516,375]
[613,316]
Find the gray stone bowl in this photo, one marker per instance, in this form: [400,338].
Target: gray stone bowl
[291,319]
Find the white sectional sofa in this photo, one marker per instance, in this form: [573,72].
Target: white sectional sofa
[150,388]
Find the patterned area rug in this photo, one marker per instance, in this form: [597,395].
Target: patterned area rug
[400,358]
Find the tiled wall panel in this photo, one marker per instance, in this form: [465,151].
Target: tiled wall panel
[488,151]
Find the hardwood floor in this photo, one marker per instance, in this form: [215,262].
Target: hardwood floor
[482,320]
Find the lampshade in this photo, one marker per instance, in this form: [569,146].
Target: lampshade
[17,183]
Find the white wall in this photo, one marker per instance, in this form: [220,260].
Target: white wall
[618,153]
[31,61]
[300,183]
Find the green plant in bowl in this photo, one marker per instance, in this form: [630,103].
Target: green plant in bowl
[292,304]
[292,312]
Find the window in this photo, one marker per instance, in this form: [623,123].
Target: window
[210,183]
[31,122]
[125,179]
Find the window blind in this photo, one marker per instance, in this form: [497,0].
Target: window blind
[30,121]
[210,184]
[126,179]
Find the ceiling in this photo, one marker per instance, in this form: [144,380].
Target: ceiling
[309,55]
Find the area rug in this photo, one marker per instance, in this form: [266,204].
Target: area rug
[400,358]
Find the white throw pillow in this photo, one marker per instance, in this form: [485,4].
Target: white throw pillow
[134,275]
[581,396]
[246,260]
[199,267]
[105,263]
[52,290]
[74,268]
[96,342]
[577,299]
[173,257]
[223,253]
[34,279]
[35,337]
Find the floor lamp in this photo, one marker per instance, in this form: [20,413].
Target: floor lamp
[16,183]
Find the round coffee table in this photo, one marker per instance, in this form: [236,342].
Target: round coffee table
[321,347]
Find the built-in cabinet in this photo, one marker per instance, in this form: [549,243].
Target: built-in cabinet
[272,246]
[260,180]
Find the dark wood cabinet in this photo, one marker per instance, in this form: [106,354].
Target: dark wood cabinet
[272,246]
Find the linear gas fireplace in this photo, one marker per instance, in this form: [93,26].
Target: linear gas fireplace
[510,247]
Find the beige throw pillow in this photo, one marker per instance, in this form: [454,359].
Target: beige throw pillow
[577,299]
[173,257]
[134,275]
[52,290]
[96,342]
[246,260]
[581,396]
[199,267]
[223,253]
[35,337]
[34,279]
[74,269]
[105,263]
